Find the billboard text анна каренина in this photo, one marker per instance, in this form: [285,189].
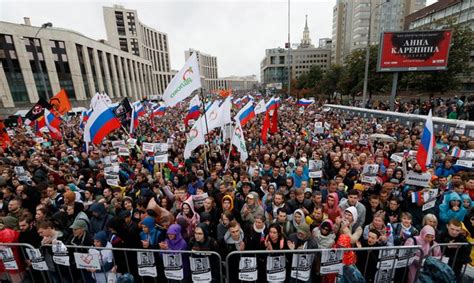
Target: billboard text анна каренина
[414,51]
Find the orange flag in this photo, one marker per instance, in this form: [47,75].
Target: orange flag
[60,102]
[4,138]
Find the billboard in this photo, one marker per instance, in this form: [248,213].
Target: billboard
[414,51]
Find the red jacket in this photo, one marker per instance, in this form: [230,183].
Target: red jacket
[8,235]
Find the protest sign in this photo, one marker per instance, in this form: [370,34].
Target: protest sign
[301,266]
[405,257]
[331,261]
[417,179]
[123,151]
[314,168]
[386,259]
[8,259]
[146,264]
[36,259]
[465,163]
[87,261]
[248,269]
[397,157]
[173,264]
[60,254]
[148,147]
[200,269]
[276,268]
[117,144]
[198,200]
[132,142]
[161,158]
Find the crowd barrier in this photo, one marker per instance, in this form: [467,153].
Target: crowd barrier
[460,127]
[452,254]
[383,264]
[67,264]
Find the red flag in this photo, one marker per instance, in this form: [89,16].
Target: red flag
[4,138]
[19,122]
[265,127]
[274,128]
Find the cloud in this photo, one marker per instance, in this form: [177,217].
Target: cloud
[237,32]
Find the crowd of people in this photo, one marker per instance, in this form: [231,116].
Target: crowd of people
[56,191]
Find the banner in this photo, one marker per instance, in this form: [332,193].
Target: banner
[146,264]
[248,269]
[301,267]
[331,261]
[414,51]
[276,268]
[173,264]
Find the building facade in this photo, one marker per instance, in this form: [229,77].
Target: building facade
[207,68]
[236,82]
[68,60]
[351,23]
[274,67]
[126,32]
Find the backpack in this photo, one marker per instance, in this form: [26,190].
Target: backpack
[350,274]
[437,271]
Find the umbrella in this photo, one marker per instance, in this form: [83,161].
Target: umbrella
[382,137]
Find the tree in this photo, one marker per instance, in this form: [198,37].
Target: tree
[311,79]
[330,82]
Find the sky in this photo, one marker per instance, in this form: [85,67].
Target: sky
[236,31]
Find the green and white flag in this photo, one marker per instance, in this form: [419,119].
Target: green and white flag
[195,138]
[239,141]
[184,82]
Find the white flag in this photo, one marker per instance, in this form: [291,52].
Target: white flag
[225,111]
[102,97]
[260,107]
[213,116]
[132,120]
[239,141]
[184,82]
[195,137]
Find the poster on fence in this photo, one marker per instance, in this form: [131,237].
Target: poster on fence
[331,261]
[248,269]
[87,261]
[6,254]
[301,266]
[384,275]
[146,264]
[37,260]
[173,264]
[276,268]
[386,259]
[405,257]
[60,254]
[200,269]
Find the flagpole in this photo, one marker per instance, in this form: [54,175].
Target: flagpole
[207,130]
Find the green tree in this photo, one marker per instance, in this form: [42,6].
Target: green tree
[330,82]
[311,79]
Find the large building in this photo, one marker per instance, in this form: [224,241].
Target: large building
[351,22]
[65,59]
[274,67]
[432,17]
[207,68]
[126,32]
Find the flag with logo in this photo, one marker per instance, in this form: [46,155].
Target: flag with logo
[184,82]
[260,107]
[239,141]
[60,102]
[100,97]
[195,138]
[37,110]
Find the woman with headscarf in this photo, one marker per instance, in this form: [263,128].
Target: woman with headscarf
[331,207]
[347,225]
[426,240]
[189,215]
[298,219]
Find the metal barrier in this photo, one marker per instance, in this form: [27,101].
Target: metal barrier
[67,264]
[305,265]
[459,126]
[451,254]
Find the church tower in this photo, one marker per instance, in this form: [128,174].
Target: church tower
[306,41]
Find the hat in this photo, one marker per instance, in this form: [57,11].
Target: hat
[250,196]
[359,187]
[102,237]
[303,228]
[79,224]
[9,222]
[308,190]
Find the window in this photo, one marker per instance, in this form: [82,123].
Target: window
[11,67]
[62,67]
[80,56]
[90,53]
[123,44]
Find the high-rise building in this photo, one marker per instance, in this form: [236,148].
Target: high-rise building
[126,32]
[274,67]
[207,68]
[64,59]
[351,22]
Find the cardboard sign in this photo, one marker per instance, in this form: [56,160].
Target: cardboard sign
[87,261]
[161,158]
[416,179]
[148,147]
[465,163]
[117,144]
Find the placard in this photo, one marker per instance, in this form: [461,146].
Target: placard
[314,168]
[200,269]
[384,275]
[87,261]
[417,179]
[465,163]
[146,264]
[173,264]
[112,179]
[148,147]
[132,142]
[123,151]
[331,261]
[248,269]
[60,254]
[161,158]
[118,144]
[198,200]
[276,268]
[301,266]
[37,260]
[397,157]
[8,258]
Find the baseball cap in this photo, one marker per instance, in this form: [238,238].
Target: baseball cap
[79,224]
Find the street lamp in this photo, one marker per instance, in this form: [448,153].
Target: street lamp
[366,73]
[38,65]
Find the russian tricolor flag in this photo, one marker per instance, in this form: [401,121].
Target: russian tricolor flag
[246,113]
[101,122]
[425,149]
[193,112]
[84,117]
[52,123]
[138,106]
[272,104]
[159,110]
[305,102]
